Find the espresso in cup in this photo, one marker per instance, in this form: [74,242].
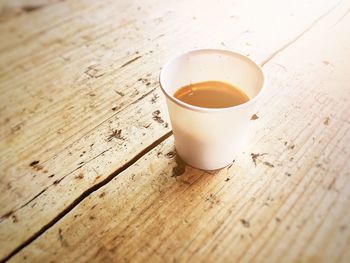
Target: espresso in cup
[211,94]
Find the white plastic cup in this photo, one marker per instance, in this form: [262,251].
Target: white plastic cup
[210,138]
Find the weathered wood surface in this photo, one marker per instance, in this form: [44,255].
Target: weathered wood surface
[79,94]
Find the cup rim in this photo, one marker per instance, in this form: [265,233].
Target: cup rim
[202,109]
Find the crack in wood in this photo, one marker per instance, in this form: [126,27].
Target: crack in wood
[87,193]
[288,44]
[131,103]
[345,14]
[3,217]
[8,214]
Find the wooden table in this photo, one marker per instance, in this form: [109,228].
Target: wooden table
[88,166]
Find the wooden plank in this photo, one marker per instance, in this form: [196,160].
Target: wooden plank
[13,8]
[70,87]
[289,207]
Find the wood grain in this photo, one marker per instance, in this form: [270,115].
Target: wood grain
[80,98]
[291,206]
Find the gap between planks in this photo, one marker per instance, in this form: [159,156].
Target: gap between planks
[300,35]
[150,147]
[87,193]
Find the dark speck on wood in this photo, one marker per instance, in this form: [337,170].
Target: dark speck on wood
[254,117]
[144,81]
[326,121]
[115,108]
[117,134]
[170,154]
[268,164]
[130,61]
[245,223]
[179,168]
[255,156]
[61,239]
[80,176]
[120,93]
[56,182]
[156,117]
[14,219]
[33,163]
[31,8]
[16,128]
[147,125]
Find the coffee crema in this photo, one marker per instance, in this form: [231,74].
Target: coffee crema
[211,94]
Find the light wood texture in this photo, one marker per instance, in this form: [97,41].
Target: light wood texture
[79,94]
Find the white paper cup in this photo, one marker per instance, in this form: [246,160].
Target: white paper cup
[208,138]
